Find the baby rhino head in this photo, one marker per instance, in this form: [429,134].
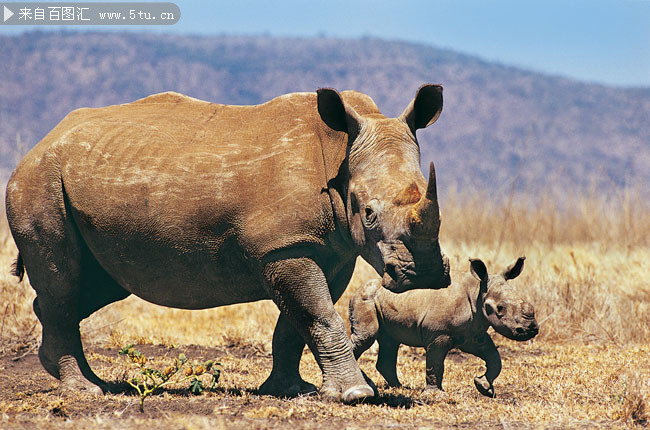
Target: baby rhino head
[504,309]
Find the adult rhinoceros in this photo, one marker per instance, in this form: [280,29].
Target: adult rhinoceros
[193,205]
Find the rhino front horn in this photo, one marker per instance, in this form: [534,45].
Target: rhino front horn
[424,216]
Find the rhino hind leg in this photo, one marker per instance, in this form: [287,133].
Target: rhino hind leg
[61,352]
[70,285]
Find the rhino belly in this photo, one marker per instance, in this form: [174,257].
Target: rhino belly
[405,332]
[176,268]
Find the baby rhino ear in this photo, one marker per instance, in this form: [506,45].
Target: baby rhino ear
[514,269]
[478,270]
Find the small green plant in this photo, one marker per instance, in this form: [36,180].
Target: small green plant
[181,370]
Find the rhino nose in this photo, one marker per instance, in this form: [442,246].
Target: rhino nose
[527,310]
[530,331]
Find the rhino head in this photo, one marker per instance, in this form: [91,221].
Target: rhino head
[391,210]
[502,306]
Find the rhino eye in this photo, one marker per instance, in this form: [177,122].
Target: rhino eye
[370,216]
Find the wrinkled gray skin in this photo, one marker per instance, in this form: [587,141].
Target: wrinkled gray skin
[439,320]
[193,205]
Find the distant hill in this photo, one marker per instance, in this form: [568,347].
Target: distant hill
[499,123]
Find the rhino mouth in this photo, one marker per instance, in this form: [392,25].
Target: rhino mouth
[398,283]
[399,278]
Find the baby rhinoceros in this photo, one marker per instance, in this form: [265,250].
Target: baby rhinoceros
[454,317]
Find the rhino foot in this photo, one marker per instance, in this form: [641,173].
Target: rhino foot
[350,395]
[286,388]
[483,386]
[370,383]
[73,381]
[357,394]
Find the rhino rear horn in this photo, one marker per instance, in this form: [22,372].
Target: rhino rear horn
[424,216]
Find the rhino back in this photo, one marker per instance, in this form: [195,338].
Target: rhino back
[416,317]
[187,189]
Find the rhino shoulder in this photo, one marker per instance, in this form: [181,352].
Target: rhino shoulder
[362,103]
[168,97]
[297,97]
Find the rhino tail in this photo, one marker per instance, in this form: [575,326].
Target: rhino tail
[18,268]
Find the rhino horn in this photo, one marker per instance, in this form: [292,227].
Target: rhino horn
[424,216]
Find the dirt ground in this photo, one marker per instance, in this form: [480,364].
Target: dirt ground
[575,396]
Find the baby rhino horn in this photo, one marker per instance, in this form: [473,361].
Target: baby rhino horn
[424,216]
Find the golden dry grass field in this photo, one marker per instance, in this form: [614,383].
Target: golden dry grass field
[587,273]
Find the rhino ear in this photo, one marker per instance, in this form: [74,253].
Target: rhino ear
[514,269]
[478,270]
[336,113]
[425,108]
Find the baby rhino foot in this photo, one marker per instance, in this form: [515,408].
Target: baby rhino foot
[483,386]
[436,394]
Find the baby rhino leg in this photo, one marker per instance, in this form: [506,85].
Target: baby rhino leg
[436,353]
[387,360]
[484,348]
[364,323]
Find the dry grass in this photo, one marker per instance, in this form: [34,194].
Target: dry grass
[586,273]
[612,217]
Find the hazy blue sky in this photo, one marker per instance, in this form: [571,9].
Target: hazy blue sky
[605,41]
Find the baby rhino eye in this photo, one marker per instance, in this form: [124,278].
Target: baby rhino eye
[501,310]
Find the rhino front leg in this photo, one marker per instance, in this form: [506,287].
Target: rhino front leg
[483,347]
[301,292]
[285,379]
